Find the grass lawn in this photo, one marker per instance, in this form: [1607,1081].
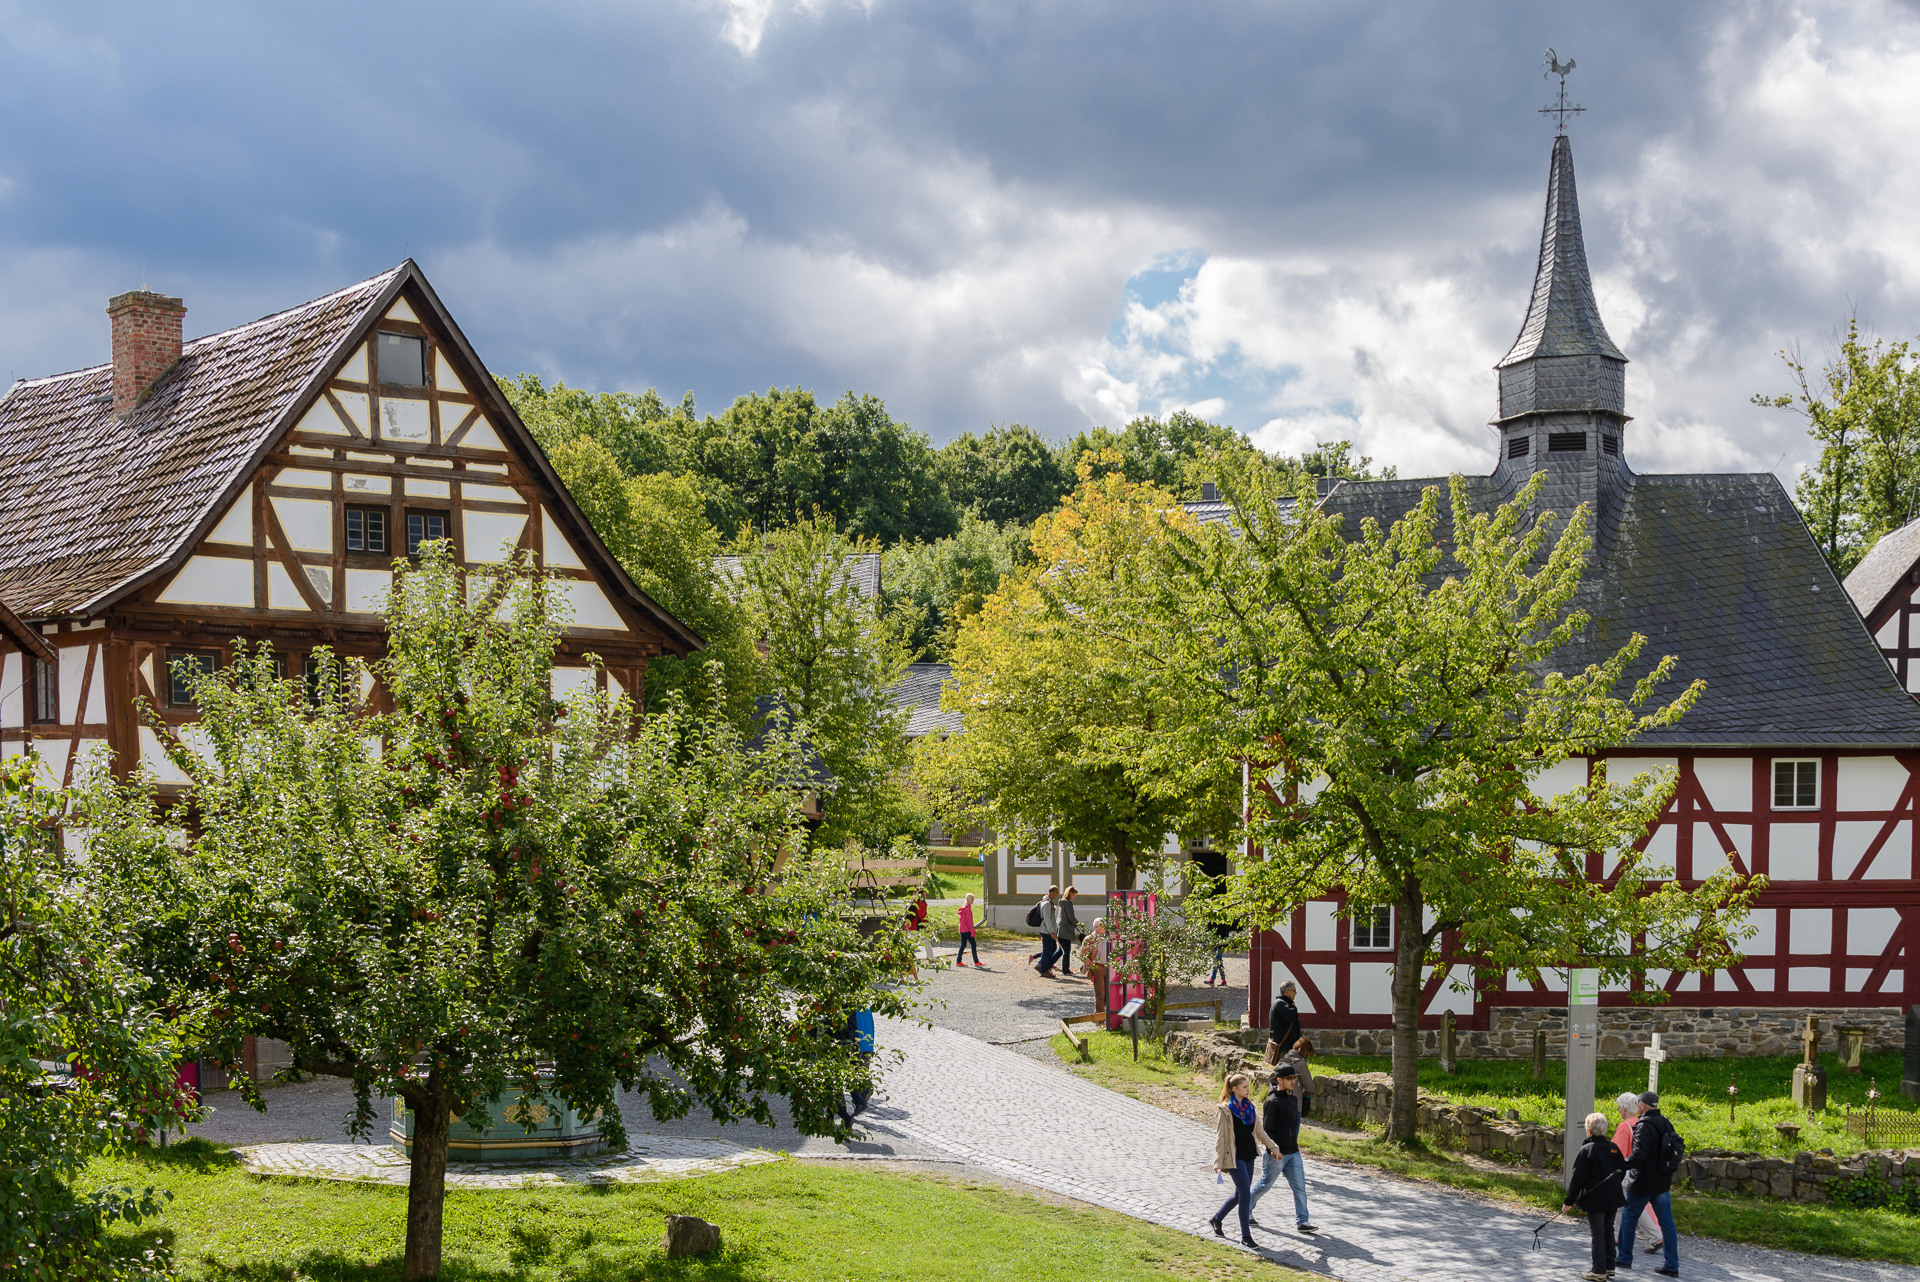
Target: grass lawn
[786,1220]
[1847,1233]
[948,882]
[1693,1093]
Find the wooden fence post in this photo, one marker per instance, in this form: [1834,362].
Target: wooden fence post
[1539,1054]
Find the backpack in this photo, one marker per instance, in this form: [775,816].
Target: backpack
[1673,1151]
[1034,917]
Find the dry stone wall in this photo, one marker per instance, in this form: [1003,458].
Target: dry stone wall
[1685,1032]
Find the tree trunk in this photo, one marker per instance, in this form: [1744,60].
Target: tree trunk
[426,1188]
[1408,956]
[1124,872]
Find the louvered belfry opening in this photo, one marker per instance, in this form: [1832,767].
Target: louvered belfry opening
[1564,381]
[147,329]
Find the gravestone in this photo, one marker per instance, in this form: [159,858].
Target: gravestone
[1655,1057]
[1449,1043]
[1853,1044]
[1539,1054]
[1809,1079]
[1910,1080]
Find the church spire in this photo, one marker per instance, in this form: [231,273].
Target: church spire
[1562,318]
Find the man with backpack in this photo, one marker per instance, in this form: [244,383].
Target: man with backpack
[1046,916]
[1657,1153]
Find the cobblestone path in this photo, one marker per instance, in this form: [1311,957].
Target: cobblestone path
[650,1157]
[1041,1125]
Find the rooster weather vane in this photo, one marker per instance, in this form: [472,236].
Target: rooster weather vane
[1559,108]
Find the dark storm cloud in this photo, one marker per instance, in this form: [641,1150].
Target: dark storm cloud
[943,203]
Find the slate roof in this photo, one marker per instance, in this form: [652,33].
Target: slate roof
[919,690]
[865,568]
[23,638]
[1721,571]
[109,498]
[1884,567]
[1562,318]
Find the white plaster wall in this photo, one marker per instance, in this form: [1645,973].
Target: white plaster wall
[403,419]
[1870,930]
[1793,851]
[236,526]
[1370,988]
[211,580]
[355,368]
[356,406]
[559,551]
[73,669]
[1322,930]
[1448,997]
[321,419]
[1726,781]
[1558,779]
[367,590]
[566,681]
[590,606]
[1810,930]
[282,594]
[481,436]
[13,678]
[1870,783]
[491,536]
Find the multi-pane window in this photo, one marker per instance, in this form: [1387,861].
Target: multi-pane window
[1373,926]
[313,679]
[1796,785]
[424,527]
[403,360]
[46,692]
[366,529]
[181,664]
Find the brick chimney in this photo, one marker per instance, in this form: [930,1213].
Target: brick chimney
[146,342]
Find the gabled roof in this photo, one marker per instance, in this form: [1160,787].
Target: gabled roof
[105,500]
[864,567]
[1562,318]
[24,639]
[112,503]
[1721,571]
[918,691]
[1884,569]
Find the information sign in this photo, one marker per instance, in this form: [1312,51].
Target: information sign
[1132,1008]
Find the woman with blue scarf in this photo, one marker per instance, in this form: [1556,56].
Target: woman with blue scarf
[1238,1141]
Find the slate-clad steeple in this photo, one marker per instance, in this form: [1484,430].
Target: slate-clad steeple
[1563,386]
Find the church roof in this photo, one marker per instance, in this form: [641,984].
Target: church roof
[1884,567]
[1721,571]
[918,691]
[1562,318]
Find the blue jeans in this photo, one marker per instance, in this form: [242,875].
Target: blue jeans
[1295,1170]
[1662,1204]
[1219,966]
[1049,953]
[967,940]
[1242,1177]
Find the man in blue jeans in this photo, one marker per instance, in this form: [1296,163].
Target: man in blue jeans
[1282,1125]
[1649,1185]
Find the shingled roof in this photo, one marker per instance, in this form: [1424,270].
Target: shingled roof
[1884,568]
[23,638]
[1721,571]
[1562,317]
[108,498]
[111,502]
[918,691]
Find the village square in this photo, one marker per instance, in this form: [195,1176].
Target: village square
[1284,778]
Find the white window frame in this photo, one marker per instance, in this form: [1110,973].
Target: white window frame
[1372,918]
[1773,793]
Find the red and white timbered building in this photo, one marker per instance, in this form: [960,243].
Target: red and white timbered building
[259,483]
[1802,760]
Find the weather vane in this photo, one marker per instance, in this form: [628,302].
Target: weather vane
[1559,108]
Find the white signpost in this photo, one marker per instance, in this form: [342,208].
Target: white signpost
[1655,1057]
[1583,1055]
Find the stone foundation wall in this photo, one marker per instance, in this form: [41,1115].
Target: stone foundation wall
[1685,1032]
[1366,1100]
[1804,1177]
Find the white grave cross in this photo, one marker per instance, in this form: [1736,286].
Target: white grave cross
[1654,1057]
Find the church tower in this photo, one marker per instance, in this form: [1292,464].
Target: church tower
[1563,386]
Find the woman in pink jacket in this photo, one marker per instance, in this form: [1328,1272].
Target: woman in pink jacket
[966,937]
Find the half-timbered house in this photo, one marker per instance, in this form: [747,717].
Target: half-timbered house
[1885,588]
[1800,762]
[259,483]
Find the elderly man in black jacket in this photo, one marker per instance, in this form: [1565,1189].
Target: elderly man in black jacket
[1649,1184]
[1283,1024]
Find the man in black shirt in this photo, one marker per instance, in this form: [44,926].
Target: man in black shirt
[1281,1121]
[1649,1186]
[1283,1024]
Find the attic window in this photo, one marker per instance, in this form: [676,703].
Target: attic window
[424,527]
[403,359]
[1565,442]
[1796,785]
[366,529]
[1611,444]
[1519,446]
[181,664]
[1373,927]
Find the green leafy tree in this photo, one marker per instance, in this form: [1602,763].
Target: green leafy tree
[1863,407]
[1398,688]
[1334,459]
[480,889]
[829,656]
[642,432]
[65,987]
[1007,475]
[1052,704]
[942,584]
[1176,453]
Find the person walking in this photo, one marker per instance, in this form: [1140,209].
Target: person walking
[1593,1186]
[1647,1231]
[967,939]
[1283,1023]
[916,920]
[1650,1184]
[1221,934]
[857,1032]
[1237,1140]
[1067,930]
[1049,911]
[1281,1117]
[1298,1057]
[1093,960]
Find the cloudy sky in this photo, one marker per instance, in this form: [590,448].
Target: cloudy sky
[1309,220]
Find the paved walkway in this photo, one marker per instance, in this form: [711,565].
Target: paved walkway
[649,1157]
[1024,1120]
